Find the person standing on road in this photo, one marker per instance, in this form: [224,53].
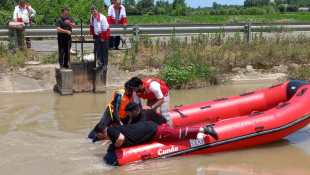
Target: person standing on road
[116,15]
[100,29]
[64,29]
[23,12]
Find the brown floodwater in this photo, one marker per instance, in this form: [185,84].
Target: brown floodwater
[44,133]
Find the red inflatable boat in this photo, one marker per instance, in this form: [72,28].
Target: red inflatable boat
[246,120]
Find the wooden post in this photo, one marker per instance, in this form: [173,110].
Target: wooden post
[64,79]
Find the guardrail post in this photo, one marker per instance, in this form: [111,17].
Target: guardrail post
[136,33]
[247,32]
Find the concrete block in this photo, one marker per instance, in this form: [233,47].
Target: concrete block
[83,77]
[100,80]
[64,79]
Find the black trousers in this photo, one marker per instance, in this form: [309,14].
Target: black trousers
[115,41]
[64,46]
[28,41]
[102,51]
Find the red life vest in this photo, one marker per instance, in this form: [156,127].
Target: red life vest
[20,19]
[103,35]
[111,16]
[148,94]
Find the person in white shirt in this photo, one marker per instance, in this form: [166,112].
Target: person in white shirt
[100,29]
[116,16]
[23,12]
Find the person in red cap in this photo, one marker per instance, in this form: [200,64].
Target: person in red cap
[155,91]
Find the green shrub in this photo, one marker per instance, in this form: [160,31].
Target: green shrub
[5,16]
[50,59]
[300,73]
[255,11]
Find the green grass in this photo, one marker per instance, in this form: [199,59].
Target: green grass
[219,19]
[18,58]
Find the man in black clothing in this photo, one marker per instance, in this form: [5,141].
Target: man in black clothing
[145,126]
[134,115]
[64,29]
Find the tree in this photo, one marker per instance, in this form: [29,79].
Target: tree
[162,7]
[254,3]
[131,7]
[178,3]
[128,3]
[145,6]
[179,7]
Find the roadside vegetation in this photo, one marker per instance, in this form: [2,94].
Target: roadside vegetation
[169,12]
[185,62]
[18,58]
[199,60]
[293,17]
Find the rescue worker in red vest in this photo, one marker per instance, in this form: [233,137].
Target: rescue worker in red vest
[115,113]
[116,16]
[155,91]
[23,12]
[100,29]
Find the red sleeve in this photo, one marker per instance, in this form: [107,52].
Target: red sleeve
[91,30]
[105,35]
[124,21]
[111,20]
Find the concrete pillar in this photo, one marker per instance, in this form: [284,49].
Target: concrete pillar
[100,80]
[83,78]
[64,79]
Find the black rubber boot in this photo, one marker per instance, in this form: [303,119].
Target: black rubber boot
[209,129]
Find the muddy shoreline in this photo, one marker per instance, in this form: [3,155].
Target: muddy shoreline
[41,77]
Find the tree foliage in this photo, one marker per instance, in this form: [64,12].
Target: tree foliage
[49,10]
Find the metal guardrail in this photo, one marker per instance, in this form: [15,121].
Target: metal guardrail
[153,30]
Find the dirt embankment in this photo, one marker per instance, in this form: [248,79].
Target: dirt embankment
[35,78]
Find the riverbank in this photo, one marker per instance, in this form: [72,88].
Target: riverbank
[38,78]
[184,63]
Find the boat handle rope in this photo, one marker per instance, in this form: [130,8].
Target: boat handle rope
[282,105]
[179,112]
[246,94]
[220,99]
[205,107]
[302,92]
[255,113]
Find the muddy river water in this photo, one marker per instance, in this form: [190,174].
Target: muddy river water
[44,133]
